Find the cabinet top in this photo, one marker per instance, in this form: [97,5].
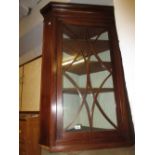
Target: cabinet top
[76,7]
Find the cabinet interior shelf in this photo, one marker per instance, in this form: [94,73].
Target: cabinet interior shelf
[83,90]
[77,32]
[80,68]
[70,46]
[87,128]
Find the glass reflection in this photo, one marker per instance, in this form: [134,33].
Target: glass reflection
[88,90]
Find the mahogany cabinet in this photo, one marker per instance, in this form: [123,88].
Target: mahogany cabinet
[84,102]
[29,134]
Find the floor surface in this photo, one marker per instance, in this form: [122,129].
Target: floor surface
[116,151]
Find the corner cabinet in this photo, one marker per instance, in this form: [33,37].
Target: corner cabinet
[84,102]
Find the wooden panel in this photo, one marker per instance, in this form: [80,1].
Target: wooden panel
[23,137]
[20,85]
[31,86]
[34,134]
[29,135]
[22,131]
[73,46]
[77,32]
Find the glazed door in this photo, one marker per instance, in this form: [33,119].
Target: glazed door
[86,89]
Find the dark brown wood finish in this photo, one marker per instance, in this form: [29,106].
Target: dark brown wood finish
[124,113]
[70,46]
[29,134]
[56,15]
[48,86]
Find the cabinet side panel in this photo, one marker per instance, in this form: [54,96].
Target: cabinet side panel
[48,87]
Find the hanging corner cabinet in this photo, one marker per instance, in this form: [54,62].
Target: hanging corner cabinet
[84,102]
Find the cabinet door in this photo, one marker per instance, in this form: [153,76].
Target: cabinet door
[88,88]
[31,86]
[88,95]
[20,85]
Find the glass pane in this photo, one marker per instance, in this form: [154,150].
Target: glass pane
[88,90]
